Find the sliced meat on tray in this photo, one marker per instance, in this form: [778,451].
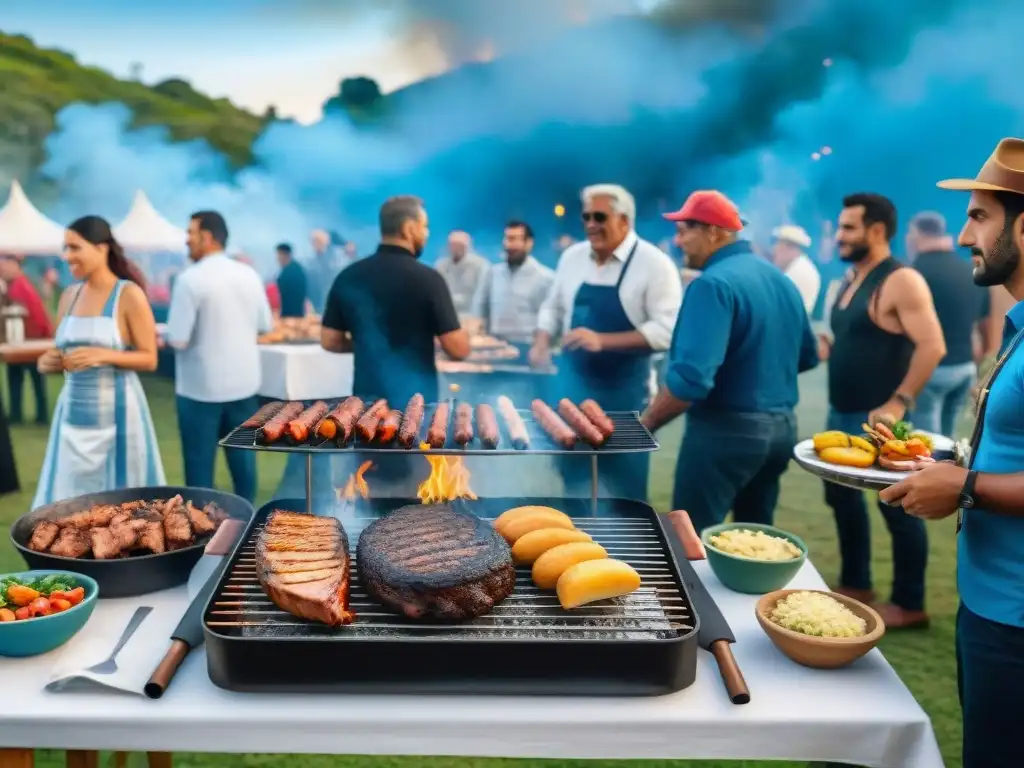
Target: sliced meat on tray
[302,562]
[433,561]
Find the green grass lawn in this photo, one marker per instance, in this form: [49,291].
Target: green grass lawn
[924,660]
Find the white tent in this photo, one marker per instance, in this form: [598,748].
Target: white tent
[24,230]
[146,231]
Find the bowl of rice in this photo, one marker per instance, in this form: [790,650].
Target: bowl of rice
[753,558]
[819,629]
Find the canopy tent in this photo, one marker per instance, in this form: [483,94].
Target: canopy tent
[26,231]
[144,230]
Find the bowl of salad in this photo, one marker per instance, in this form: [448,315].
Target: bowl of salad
[42,610]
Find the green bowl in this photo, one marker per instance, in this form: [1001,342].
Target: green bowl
[31,637]
[746,575]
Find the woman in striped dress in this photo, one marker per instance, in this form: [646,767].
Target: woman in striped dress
[102,436]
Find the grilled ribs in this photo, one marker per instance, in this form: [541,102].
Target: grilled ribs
[302,562]
[433,561]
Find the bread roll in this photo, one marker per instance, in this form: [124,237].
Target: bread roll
[534,522]
[553,563]
[594,580]
[532,545]
[517,512]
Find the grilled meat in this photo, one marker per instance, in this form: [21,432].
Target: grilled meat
[151,536]
[104,544]
[434,561]
[72,542]
[201,522]
[43,536]
[177,529]
[302,561]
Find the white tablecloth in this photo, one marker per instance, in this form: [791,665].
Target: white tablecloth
[862,715]
[304,372]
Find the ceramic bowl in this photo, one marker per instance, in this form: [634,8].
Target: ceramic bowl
[31,637]
[745,574]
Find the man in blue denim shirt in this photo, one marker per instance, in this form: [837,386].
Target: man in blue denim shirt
[740,341]
[990,551]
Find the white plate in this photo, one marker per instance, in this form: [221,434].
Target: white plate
[870,479]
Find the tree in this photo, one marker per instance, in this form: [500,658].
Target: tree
[359,97]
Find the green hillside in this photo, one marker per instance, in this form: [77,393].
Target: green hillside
[36,83]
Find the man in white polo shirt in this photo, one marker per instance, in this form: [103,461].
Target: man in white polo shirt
[218,309]
[789,255]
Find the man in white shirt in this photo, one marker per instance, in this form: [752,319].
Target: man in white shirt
[509,297]
[788,255]
[463,269]
[218,309]
[614,303]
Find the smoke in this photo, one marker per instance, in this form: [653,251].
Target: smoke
[916,90]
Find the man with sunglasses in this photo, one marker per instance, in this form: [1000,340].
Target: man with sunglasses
[614,303]
[742,337]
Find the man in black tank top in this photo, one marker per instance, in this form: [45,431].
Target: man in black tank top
[886,342]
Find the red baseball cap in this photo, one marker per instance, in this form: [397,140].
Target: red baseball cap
[709,207]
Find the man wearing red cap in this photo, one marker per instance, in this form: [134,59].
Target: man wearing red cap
[742,337]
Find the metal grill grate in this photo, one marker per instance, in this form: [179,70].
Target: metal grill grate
[630,436]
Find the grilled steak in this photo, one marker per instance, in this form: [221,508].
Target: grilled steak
[434,561]
[302,562]
[43,536]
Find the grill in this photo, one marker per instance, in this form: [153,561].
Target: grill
[630,436]
[642,644]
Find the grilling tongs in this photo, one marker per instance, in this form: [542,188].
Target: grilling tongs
[714,634]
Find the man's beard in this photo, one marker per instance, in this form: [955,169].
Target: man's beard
[515,258]
[998,266]
[856,255]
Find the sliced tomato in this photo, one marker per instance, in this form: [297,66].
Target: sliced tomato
[59,605]
[23,613]
[6,614]
[75,596]
[40,607]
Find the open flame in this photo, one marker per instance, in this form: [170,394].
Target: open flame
[448,480]
[356,485]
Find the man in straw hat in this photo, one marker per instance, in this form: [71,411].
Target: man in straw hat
[789,252]
[990,550]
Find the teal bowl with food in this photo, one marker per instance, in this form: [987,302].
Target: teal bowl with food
[753,558]
[42,610]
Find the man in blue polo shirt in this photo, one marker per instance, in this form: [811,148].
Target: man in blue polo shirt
[740,341]
[990,551]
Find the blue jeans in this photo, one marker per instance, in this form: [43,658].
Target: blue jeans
[909,537]
[942,401]
[732,461]
[202,425]
[989,676]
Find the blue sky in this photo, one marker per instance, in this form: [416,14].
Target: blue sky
[257,52]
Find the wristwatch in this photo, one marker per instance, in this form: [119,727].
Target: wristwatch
[907,400]
[966,500]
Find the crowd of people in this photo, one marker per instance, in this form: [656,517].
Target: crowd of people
[735,330]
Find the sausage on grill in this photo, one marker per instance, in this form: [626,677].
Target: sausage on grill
[579,422]
[263,415]
[272,431]
[514,423]
[411,421]
[389,426]
[437,435]
[552,423]
[369,421]
[303,425]
[487,426]
[340,422]
[598,417]
[464,424]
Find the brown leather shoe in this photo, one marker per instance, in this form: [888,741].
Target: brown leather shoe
[866,596]
[895,617]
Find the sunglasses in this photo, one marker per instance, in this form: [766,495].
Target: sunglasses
[599,217]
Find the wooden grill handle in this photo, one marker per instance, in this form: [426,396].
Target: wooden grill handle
[735,685]
[688,536]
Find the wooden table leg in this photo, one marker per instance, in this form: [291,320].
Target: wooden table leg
[17,758]
[81,758]
[120,760]
[160,759]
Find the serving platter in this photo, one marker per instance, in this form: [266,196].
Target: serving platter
[869,479]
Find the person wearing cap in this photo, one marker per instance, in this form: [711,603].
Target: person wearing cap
[789,255]
[742,338]
[613,303]
[990,547]
[963,310]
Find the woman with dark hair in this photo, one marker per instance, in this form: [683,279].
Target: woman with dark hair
[102,437]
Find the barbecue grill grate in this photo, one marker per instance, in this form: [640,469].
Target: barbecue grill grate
[650,633]
[630,436]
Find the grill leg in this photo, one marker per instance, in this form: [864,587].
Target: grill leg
[593,484]
[309,483]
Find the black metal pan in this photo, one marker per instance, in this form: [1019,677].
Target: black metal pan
[135,575]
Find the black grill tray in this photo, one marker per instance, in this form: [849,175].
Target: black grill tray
[641,645]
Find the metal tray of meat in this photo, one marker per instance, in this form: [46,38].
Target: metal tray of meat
[644,644]
[630,436]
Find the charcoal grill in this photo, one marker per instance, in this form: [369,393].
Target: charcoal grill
[641,645]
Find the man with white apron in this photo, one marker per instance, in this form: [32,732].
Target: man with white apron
[614,302]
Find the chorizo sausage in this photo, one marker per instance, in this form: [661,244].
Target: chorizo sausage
[598,417]
[487,426]
[272,431]
[513,423]
[464,424]
[389,426]
[552,423]
[409,432]
[579,422]
[339,423]
[263,415]
[437,435]
[367,425]
[303,425]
